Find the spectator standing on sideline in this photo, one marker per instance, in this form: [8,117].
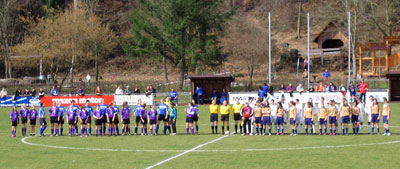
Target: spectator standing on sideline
[265,89]
[174,96]
[363,90]
[137,90]
[41,93]
[290,89]
[214,95]
[261,94]
[311,66]
[326,75]
[3,93]
[223,96]
[343,89]
[98,91]
[18,92]
[352,90]
[200,95]
[119,91]
[33,92]
[305,75]
[300,88]
[270,89]
[80,82]
[26,92]
[80,92]
[88,78]
[48,77]
[54,91]
[128,90]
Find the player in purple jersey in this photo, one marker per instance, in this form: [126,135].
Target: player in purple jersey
[54,118]
[126,119]
[72,120]
[14,121]
[110,119]
[89,111]
[153,119]
[23,112]
[32,119]
[98,119]
[83,118]
[189,118]
[143,119]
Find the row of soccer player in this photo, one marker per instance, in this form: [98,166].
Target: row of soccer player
[105,116]
[261,115]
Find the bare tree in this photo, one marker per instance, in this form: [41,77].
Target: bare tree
[299,19]
[7,32]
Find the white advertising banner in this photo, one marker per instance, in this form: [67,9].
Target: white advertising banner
[133,99]
[304,97]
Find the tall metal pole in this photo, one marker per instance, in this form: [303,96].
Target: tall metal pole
[349,42]
[269,47]
[308,49]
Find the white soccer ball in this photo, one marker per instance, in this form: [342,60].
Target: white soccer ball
[226,132]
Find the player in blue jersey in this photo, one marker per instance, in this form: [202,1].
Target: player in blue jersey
[32,119]
[74,108]
[116,111]
[61,111]
[163,116]
[137,110]
[126,119]
[23,112]
[42,120]
[89,112]
[174,96]
[103,108]
[14,121]
[98,120]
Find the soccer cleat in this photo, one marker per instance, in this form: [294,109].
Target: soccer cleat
[320,133]
[56,135]
[384,134]
[51,135]
[142,134]
[269,134]
[129,134]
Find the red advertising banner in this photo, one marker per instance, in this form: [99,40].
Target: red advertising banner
[79,100]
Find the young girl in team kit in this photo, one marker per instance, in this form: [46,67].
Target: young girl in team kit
[14,121]
[83,117]
[72,120]
[386,116]
[110,119]
[172,118]
[153,119]
[23,112]
[309,117]
[98,120]
[143,119]
[279,118]
[126,119]
[189,118]
[345,114]
[42,120]
[266,115]
[196,116]
[293,117]
[333,116]
[32,119]
[257,118]
[355,117]
[322,119]
[375,114]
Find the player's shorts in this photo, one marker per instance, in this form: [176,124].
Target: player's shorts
[213,117]
[98,122]
[279,120]
[258,120]
[24,120]
[352,93]
[110,119]
[332,120]
[345,119]
[71,122]
[138,119]
[89,120]
[153,122]
[104,119]
[14,123]
[292,121]
[385,120]
[126,121]
[195,118]
[224,117]
[236,116]
[308,121]
[116,120]
[322,122]
[61,121]
[144,121]
[161,117]
[299,119]
[189,119]
[83,122]
[53,120]
[354,119]
[273,119]
[42,121]
[267,120]
[33,122]
[375,118]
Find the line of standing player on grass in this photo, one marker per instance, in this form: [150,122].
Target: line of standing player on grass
[263,114]
[105,116]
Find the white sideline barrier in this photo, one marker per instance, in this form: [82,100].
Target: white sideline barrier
[133,99]
[316,96]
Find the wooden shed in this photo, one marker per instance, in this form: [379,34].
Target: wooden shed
[332,36]
[210,82]
[394,83]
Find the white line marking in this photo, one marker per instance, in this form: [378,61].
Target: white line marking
[185,152]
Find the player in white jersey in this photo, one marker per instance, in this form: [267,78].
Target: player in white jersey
[368,109]
[361,121]
[299,116]
[285,106]
[274,108]
[252,104]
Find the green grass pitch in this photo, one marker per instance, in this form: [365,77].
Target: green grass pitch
[214,151]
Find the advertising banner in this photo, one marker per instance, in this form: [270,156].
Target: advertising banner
[79,100]
[18,101]
[133,99]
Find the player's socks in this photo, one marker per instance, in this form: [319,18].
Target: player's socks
[235,128]
[82,132]
[373,130]
[320,130]
[52,131]
[240,128]
[40,131]
[90,130]
[165,129]
[342,130]
[101,132]
[306,130]
[61,131]
[285,128]
[330,129]
[76,129]
[302,128]
[157,127]
[257,130]
[97,132]
[276,129]
[376,128]
[56,131]
[362,128]
[151,131]
[141,130]
[117,128]
[312,130]
[137,129]
[347,130]
[104,129]
[212,129]
[388,130]
[216,129]
[369,128]
[187,130]
[145,131]
[192,130]
[223,129]
[227,128]
[293,131]
[326,129]
[197,128]
[269,130]
[169,129]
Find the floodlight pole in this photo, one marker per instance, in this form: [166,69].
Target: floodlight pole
[349,45]
[308,49]
[269,47]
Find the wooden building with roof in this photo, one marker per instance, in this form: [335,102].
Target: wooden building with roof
[332,36]
[210,82]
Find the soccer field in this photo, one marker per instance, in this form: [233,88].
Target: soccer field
[200,151]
